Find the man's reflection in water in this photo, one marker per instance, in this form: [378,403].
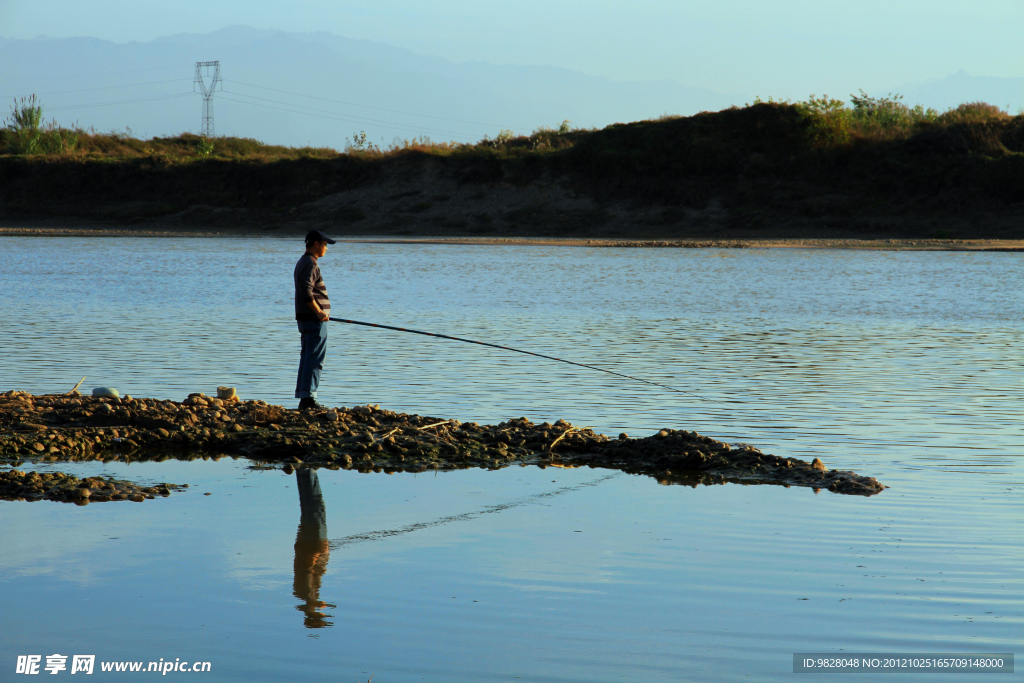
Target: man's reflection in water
[311,550]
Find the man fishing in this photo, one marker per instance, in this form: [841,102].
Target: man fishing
[312,308]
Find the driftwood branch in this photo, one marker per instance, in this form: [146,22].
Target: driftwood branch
[396,429]
[75,388]
[436,424]
[561,436]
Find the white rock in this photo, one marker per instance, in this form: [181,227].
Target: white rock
[105,392]
[226,393]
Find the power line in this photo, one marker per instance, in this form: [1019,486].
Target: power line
[110,87]
[351,117]
[285,106]
[366,106]
[110,104]
[345,119]
[335,116]
[97,73]
[296,109]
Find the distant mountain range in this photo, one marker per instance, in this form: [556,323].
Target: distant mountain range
[363,86]
[961,87]
[320,89]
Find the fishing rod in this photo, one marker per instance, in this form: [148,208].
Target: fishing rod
[529,353]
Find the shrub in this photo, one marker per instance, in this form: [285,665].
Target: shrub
[204,147]
[50,139]
[973,112]
[27,115]
[887,115]
[829,119]
[880,118]
[24,133]
[359,145]
[423,143]
[503,137]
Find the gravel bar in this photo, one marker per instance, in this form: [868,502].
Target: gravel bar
[71,427]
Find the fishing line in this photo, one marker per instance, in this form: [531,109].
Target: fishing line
[529,353]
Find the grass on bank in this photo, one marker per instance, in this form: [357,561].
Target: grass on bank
[884,118]
[25,133]
[829,123]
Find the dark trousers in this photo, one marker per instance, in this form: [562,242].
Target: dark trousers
[311,360]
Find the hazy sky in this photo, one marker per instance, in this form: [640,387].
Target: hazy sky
[783,48]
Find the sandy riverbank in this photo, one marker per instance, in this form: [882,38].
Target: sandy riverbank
[64,228]
[739,177]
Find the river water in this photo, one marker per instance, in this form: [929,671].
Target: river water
[905,366]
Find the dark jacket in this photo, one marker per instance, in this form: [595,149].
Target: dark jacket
[309,285]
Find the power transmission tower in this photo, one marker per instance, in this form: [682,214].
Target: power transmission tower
[208,131]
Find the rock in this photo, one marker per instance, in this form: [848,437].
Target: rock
[81,493]
[373,438]
[105,392]
[227,394]
[819,465]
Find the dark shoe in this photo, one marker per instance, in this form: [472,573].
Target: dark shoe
[309,403]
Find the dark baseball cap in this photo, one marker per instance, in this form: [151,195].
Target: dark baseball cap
[317,236]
